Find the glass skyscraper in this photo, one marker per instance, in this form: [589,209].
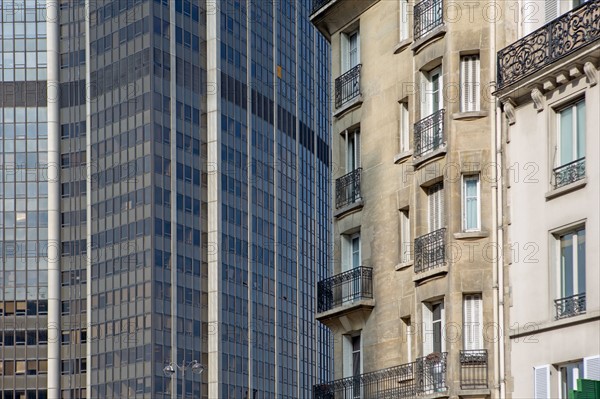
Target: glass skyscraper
[164,197]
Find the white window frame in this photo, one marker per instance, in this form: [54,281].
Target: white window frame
[348,363]
[346,50]
[577,374]
[429,325]
[352,149]
[470,83]
[430,92]
[465,178]
[435,220]
[348,251]
[408,331]
[406,243]
[560,293]
[573,106]
[404,127]
[472,322]
[404,20]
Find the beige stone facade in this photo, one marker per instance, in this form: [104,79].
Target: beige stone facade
[415,183]
[550,140]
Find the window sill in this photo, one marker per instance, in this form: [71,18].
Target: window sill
[420,278]
[469,115]
[439,31]
[402,45]
[429,156]
[465,235]
[402,156]
[403,265]
[350,208]
[566,189]
[350,105]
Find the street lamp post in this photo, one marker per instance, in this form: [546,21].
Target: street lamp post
[171,368]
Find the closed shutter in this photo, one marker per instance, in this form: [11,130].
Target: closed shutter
[541,383]
[591,368]
[551,11]
[470,85]
[473,338]
[427,330]
[436,206]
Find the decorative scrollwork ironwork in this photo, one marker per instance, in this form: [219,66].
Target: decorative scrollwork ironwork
[347,86]
[553,41]
[429,14]
[347,188]
[570,306]
[430,250]
[345,287]
[569,173]
[404,381]
[429,133]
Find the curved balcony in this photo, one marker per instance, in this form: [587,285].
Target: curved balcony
[568,33]
[429,134]
[430,251]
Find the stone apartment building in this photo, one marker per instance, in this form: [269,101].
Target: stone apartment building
[548,84]
[413,296]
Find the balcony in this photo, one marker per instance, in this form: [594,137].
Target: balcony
[345,288]
[424,376]
[318,4]
[570,32]
[430,251]
[569,173]
[347,87]
[474,369]
[347,189]
[570,306]
[429,134]
[428,15]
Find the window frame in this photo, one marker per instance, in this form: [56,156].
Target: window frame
[470,86]
[575,140]
[464,198]
[404,20]
[557,237]
[406,238]
[404,127]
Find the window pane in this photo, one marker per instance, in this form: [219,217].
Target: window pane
[566,136]
[581,261]
[566,256]
[581,130]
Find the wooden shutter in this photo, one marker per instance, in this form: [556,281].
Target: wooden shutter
[541,382]
[470,85]
[473,338]
[427,329]
[591,368]
[551,10]
[436,206]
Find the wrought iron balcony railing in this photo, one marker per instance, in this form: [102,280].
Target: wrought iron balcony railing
[570,306]
[317,5]
[429,14]
[347,86]
[430,250]
[347,188]
[569,173]
[429,133]
[344,288]
[424,376]
[474,369]
[553,41]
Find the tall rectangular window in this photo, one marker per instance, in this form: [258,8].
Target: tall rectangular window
[571,133]
[352,150]
[470,83]
[404,127]
[471,203]
[404,20]
[432,98]
[572,263]
[435,198]
[569,374]
[405,237]
[350,48]
[433,327]
[472,322]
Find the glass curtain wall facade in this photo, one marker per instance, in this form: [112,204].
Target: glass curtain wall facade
[128,96]
[273,200]
[24,331]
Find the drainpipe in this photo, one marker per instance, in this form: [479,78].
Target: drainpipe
[497,226]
